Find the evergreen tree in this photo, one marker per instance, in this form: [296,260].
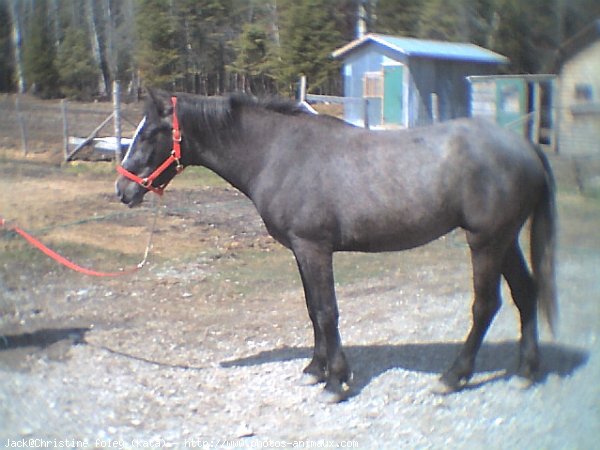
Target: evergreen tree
[574,15]
[483,22]
[256,59]
[156,54]
[7,68]
[206,29]
[515,37]
[40,55]
[213,46]
[445,20]
[78,72]
[398,17]
[309,35]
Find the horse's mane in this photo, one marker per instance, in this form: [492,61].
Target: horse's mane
[208,116]
[210,108]
[275,104]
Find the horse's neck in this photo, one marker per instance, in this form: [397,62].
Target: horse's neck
[240,157]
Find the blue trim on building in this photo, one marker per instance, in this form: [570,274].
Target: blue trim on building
[412,47]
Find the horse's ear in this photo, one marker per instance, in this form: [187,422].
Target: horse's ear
[159,102]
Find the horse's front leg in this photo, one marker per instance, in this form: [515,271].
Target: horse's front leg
[329,364]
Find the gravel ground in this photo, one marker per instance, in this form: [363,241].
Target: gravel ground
[185,354]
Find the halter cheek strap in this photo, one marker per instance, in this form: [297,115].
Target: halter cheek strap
[174,157]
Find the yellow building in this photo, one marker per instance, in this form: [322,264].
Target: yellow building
[579,94]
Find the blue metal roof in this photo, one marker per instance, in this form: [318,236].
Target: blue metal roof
[413,47]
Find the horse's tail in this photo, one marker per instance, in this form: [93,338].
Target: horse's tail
[543,246]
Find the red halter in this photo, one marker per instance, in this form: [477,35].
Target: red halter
[174,157]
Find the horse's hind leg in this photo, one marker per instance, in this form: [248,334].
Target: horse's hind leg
[523,291]
[487,262]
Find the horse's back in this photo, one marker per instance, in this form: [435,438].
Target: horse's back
[392,190]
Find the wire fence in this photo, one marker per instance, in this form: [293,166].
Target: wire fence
[34,126]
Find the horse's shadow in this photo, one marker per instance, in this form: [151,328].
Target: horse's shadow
[42,338]
[52,343]
[370,361]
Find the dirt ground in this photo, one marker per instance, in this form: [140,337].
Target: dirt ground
[204,346]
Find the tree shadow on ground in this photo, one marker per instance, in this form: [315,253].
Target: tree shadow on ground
[370,361]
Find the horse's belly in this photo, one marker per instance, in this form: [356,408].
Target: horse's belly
[391,235]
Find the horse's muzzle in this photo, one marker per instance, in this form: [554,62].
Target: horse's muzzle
[130,193]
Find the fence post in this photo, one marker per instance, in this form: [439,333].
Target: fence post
[534,132]
[63,110]
[302,94]
[22,125]
[435,108]
[117,119]
[554,115]
[365,113]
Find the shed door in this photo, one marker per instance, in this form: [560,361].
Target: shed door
[511,104]
[393,77]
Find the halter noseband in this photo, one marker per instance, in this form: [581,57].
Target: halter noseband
[174,157]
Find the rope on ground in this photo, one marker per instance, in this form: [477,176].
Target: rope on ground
[76,267]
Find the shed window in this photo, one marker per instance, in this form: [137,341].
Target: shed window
[373,86]
[583,92]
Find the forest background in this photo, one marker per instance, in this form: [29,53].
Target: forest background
[76,48]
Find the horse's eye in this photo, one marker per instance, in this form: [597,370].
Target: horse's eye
[151,133]
[148,134]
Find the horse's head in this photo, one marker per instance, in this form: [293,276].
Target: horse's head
[153,158]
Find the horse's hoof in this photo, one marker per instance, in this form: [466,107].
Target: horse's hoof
[449,384]
[331,398]
[528,373]
[335,395]
[521,383]
[441,388]
[310,379]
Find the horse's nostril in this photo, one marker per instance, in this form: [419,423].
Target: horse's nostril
[120,193]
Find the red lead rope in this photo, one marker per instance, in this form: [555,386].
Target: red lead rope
[65,262]
[175,157]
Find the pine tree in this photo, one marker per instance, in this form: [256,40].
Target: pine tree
[212,46]
[398,17]
[156,54]
[78,72]
[310,32]
[17,45]
[256,59]
[445,20]
[40,55]
[7,68]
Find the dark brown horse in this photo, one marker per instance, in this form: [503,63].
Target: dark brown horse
[322,186]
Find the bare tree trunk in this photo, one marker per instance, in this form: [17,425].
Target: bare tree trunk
[275,23]
[102,81]
[110,52]
[17,41]
[125,41]
[55,22]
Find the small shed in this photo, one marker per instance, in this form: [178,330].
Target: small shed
[578,67]
[410,82]
[522,103]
